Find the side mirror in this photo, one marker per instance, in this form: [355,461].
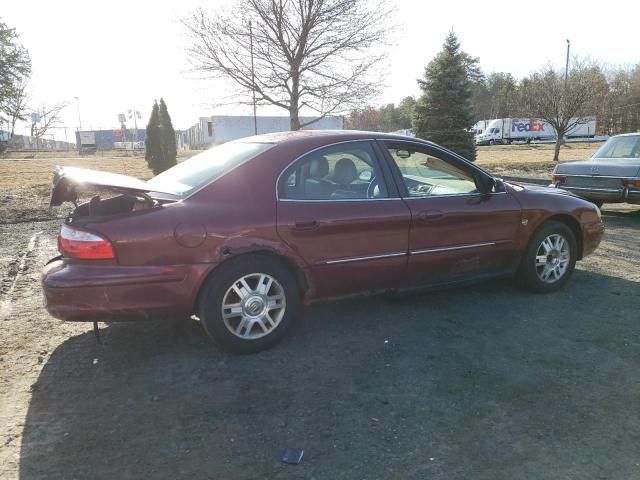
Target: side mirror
[366,175]
[488,184]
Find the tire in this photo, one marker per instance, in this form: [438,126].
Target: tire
[558,264]
[258,292]
[492,142]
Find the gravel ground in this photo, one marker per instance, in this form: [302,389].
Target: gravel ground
[485,382]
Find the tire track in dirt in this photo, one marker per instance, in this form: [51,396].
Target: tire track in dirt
[16,268]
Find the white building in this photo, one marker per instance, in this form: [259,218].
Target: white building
[223,128]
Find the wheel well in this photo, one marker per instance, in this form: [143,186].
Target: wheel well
[300,276]
[575,227]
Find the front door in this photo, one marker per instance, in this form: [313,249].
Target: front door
[457,232]
[338,208]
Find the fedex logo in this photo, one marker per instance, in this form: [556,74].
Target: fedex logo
[532,125]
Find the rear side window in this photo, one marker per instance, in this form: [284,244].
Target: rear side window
[345,171]
[207,166]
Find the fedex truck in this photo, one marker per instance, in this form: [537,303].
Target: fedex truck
[507,130]
[480,127]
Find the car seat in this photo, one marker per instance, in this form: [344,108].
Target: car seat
[317,186]
[344,173]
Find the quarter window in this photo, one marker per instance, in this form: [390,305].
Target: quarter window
[426,175]
[344,171]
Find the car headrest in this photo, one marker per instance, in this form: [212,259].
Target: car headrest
[345,171]
[319,168]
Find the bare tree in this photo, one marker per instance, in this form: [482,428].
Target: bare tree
[564,103]
[621,105]
[15,106]
[49,118]
[319,56]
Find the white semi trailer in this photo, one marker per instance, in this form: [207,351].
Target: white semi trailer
[507,130]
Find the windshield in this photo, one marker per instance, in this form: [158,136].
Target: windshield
[201,169]
[620,147]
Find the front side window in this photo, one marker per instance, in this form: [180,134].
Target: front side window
[426,175]
[344,171]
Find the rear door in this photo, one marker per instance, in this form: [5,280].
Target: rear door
[457,233]
[339,209]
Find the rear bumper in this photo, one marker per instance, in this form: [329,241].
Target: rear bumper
[108,292]
[605,194]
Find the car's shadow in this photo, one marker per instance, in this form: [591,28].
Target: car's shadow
[482,382]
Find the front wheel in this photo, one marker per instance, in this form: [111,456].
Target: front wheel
[249,304]
[549,259]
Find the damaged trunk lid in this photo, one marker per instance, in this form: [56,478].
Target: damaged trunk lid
[68,181]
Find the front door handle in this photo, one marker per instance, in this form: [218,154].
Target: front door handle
[305,224]
[429,215]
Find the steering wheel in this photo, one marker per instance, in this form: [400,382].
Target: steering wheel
[422,189]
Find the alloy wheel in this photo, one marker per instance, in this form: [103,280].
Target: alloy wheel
[552,258]
[253,306]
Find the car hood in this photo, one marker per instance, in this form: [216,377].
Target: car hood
[530,187]
[68,180]
[609,167]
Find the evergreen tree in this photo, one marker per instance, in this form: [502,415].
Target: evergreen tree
[153,143]
[168,135]
[405,111]
[444,113]
[160,139]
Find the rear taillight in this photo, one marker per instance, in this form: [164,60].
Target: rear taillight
[74,243]
[558,179]
[631,182]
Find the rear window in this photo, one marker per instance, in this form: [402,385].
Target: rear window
[188,176]
[620,147]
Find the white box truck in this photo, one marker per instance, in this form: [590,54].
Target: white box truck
[87,143]
[507,130]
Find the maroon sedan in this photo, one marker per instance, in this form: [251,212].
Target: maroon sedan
[244,233]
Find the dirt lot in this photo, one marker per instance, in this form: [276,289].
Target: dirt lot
[484,382]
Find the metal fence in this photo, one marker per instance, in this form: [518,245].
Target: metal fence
[22,143]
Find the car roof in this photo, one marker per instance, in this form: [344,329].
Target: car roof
[326,137]
[319,138]
[630,134]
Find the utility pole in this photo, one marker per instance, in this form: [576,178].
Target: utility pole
[566,68]
[253,81]
[136,115]
[79,120]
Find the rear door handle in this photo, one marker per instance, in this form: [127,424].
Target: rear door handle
[429,215]
[305,224]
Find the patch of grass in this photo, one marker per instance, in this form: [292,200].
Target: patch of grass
[22,172]
[530,160]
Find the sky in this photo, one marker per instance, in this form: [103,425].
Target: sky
[105,58]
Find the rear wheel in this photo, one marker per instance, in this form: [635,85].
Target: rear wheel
[549,259]
[249,304]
